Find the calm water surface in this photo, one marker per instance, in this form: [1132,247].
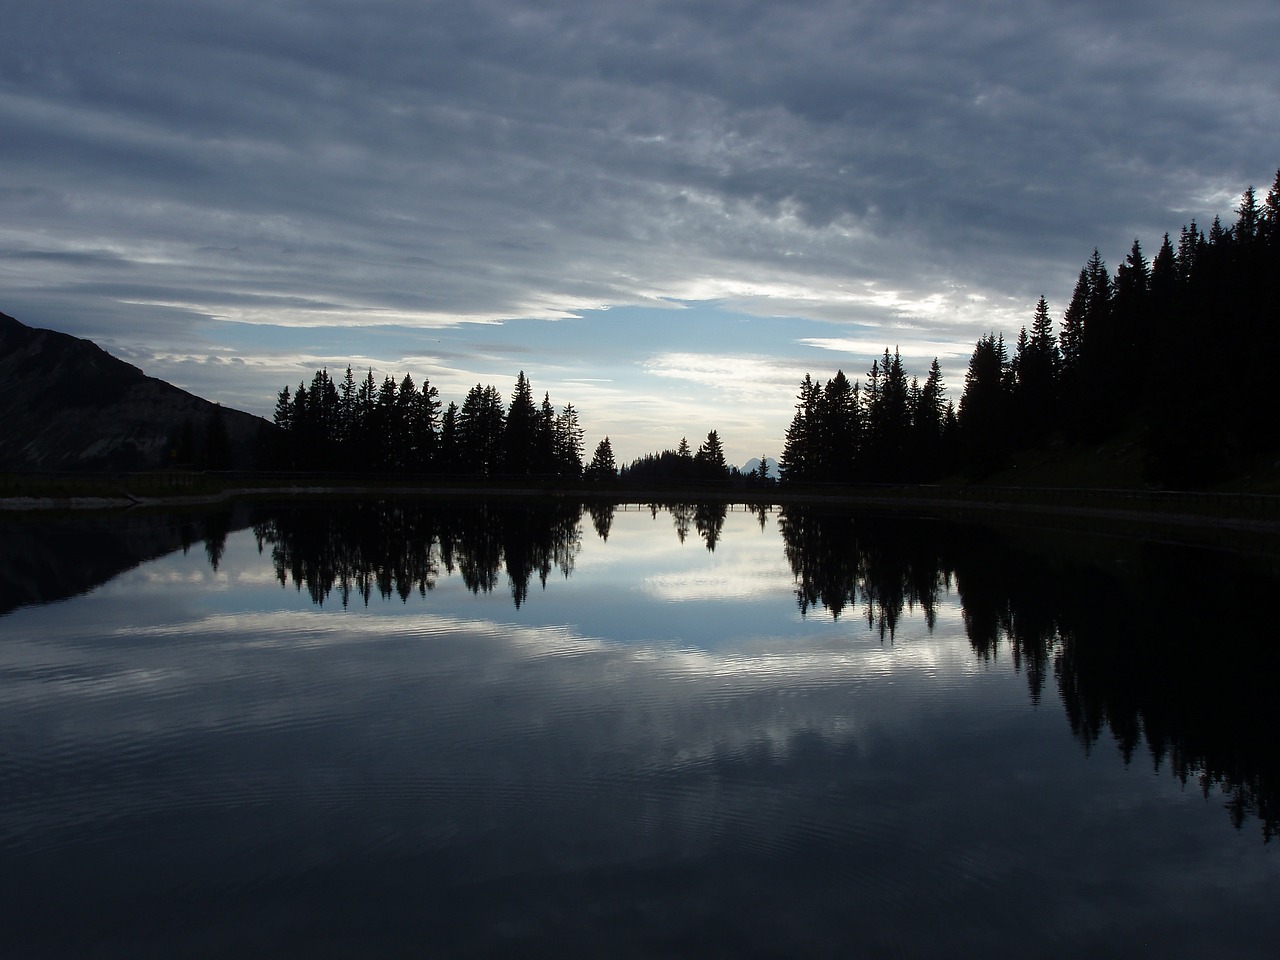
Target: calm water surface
[392,730]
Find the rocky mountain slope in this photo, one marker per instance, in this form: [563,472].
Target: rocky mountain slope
[68,405]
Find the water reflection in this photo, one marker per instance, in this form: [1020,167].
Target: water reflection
[47,559]
[884,564]
[398,549]
[1156,644]
[1164,650]
[786,733]
[1151,644]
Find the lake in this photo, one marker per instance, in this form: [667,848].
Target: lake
[357,729]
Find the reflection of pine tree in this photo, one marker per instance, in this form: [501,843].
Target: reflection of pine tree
[399,549]
[709,519]
[1127,661]
[881,567]
[601,518]
[682,518]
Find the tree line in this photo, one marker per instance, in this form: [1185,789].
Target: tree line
[400,428]
[683,465]
[888,429]
[1176,350]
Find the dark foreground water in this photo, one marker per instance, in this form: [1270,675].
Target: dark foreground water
[369,730]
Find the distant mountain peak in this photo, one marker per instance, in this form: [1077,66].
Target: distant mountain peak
[771,467]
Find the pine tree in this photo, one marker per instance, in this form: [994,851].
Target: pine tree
[984,409]
[931,408]
[1248,217]
[834,441]
[448,455]
[361,435]
[480,428]
[888,421]
[427,424]
[1073,320]
[928,423]
[347,406]
[284,409]
[1164,276]
[799,460]
[519,437]
[322,406]
[568,443]
[1133,278]
[300,418]
[710,458]
[545,441]
[1191,244]
[1100,293]
[409,455]
[1035,366]
[1269,225]
[602,467]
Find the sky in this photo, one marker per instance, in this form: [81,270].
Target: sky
[664,213]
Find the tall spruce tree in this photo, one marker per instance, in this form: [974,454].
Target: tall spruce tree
[480,428]
[568,445]
[347,406]
[799,460]
[520,432]
[928,425]
[284,409]
[710,458]
[984,406]
[1036,363]
[545,438]
[602,467]
[836,434]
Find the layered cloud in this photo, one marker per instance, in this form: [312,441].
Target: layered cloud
[919,171]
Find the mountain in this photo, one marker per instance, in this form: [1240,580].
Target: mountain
[770,467]
[68,405]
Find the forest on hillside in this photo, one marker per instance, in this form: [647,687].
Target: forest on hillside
[1177,350]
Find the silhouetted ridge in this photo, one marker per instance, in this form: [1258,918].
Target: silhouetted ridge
[67,404]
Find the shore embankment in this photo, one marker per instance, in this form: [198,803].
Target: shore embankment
[1258,513]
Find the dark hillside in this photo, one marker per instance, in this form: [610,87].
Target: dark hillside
[68,405]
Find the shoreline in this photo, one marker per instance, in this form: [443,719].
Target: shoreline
[1153,509]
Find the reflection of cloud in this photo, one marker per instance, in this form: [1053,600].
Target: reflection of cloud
[765,690]
[718,585]
[162,577]
[258,576]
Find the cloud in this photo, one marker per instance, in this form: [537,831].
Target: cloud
[167,169]
[745,377]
